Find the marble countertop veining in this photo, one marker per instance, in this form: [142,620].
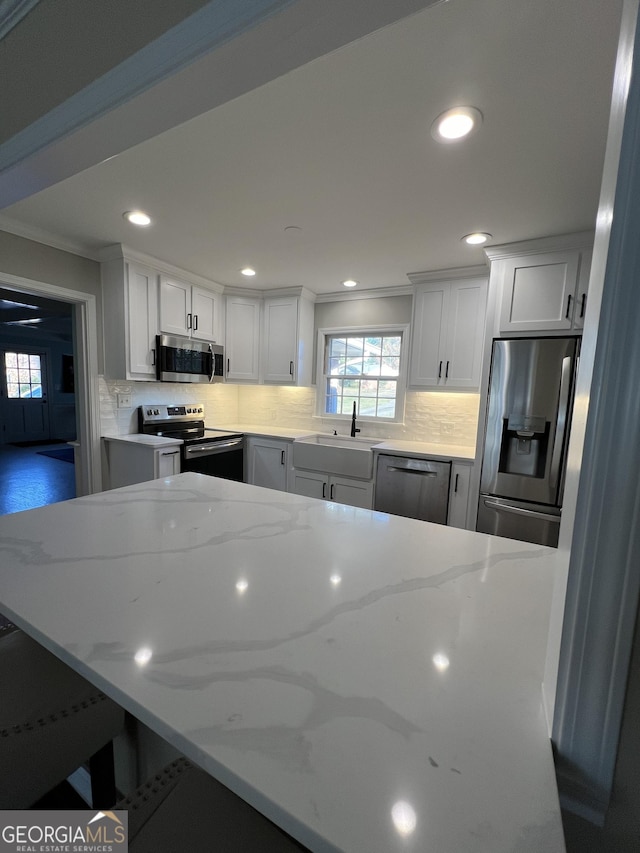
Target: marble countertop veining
[368,682]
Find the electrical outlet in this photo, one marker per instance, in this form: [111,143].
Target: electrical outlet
[124,401]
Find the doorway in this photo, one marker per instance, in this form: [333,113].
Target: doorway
[78,365]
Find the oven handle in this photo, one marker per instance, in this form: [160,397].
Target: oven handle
[216,447]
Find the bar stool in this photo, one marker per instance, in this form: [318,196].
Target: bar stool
[51,721]
[183,808]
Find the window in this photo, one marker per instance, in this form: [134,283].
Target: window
[23,375]
[364,368]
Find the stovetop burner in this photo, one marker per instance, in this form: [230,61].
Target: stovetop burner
[185,422]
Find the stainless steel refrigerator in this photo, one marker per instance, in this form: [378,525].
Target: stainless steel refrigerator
[528,416]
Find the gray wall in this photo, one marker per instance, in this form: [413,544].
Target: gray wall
[40,263]
[385,311]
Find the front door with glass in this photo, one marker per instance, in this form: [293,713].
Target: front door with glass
[24,414]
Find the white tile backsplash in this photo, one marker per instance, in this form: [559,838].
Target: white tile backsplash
[439,417]
[220,401]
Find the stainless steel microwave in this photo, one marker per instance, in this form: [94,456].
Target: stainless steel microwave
[185,360]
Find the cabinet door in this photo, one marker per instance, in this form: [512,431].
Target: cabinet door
[582,290]
[280,340]
[167,461]
[175,307]
[459,495]
[242,339]
[205,308]
[142,312]
[465,334]
[428,335]
[310,484]
[344,490]
[538,292]
[268,463]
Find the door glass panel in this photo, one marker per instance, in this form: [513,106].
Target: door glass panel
[26,381]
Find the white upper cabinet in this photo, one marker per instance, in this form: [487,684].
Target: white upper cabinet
[269,340]
[188,310]
[130,306]
[242,339]
[447,333]
[542,291]
[288,340]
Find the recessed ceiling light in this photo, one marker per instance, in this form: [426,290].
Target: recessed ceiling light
[456,124]
[137,217]
[248,271]
[350,283]
[477,238]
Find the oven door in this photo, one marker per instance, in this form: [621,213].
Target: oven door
[223,458]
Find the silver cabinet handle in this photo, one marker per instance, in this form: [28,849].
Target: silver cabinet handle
[516,510]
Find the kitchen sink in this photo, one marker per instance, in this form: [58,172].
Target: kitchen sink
[335,454]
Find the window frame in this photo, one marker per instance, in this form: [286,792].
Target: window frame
[401,329]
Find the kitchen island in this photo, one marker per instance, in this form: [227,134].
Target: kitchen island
[368,682]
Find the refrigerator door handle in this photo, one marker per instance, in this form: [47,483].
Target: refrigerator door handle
[561,422]
[516,510]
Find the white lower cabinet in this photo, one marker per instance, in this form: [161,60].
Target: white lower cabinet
[268,462]
[130,462]
[330,487]
[459,494]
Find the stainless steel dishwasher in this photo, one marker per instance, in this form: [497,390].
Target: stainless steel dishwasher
[415,488]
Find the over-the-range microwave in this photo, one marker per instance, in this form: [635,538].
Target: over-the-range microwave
[185,360]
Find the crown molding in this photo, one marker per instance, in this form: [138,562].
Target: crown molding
[120,251]
[451,274]
[558,243]
[38,235]
[378,293]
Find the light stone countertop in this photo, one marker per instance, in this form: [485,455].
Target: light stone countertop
[369,682]
[147,440]
[428,449]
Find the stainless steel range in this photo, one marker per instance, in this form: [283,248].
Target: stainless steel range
[206,451]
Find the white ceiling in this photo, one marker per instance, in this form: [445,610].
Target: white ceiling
[341,149]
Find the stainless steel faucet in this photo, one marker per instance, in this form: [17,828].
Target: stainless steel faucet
[354,428]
